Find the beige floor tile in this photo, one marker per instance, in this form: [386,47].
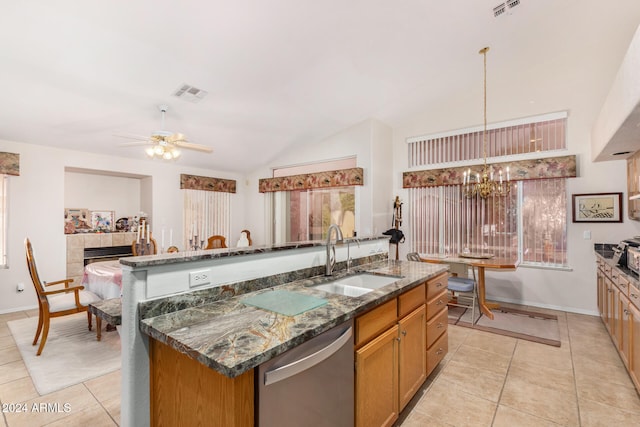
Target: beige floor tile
[457,336]
[4,330]
[451,404]
[105,387]
[543,355]
[491,342]
[509,417]
[7,341]
[417,419]
[586,368]
[9,354]
[18,391]
[112,406]
[481,359]
[537,374]
[12,371]
[595,414]
[608,393]
[476,381]
[53,407]
[598,352]
[525,396]
[94,416]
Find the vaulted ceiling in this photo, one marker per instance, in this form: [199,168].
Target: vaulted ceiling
[81,74]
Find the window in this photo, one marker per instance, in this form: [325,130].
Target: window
[206,213]
[4,183]
[528,224]
[301,215]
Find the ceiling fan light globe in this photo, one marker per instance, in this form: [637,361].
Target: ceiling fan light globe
[158,150]
[150,152]
[167,155]
[175,153]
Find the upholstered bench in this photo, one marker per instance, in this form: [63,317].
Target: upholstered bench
[109,310]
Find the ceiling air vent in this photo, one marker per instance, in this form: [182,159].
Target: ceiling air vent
[190,93]
[512,3]
[499,10]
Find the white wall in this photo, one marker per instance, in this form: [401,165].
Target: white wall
[102,193]
[37,202]
[370,142]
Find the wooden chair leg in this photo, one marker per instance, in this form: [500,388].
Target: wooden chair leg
[89,318]
[45,332]
[35,339]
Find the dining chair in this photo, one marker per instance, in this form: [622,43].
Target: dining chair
[248,233]
[460,287]
[56,302]
[216,242]
[413,256]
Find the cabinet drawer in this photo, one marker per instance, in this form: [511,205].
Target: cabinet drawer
[375,321]
[436,304]
[623,282]
[411,300]
[436,285]
[634,295]
[437,326]
[437,352]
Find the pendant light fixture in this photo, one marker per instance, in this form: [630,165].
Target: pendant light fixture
[483,184]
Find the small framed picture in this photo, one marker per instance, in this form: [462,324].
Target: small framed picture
[78,217]
[102,220]
[597,207]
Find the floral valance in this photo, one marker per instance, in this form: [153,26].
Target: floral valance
[194,182]
[337,178]
[10,163]
[550,167]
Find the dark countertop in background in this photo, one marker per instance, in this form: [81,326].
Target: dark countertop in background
[605,251]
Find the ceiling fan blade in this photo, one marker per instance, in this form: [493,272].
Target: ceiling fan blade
[191,146]
[132,136]
[135,143]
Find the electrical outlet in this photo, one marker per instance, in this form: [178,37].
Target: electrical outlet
[199,278]
[20,287]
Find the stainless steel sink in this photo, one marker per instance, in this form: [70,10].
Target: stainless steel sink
[356,285]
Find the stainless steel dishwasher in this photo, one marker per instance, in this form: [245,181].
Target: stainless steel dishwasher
[311,384]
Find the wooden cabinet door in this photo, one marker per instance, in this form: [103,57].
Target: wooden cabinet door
[377,381]
[606,302]
[615,315]
[412,354]
[601,290]
[634,344]
[626,321]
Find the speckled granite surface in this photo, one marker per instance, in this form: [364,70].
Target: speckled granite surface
[179,257]
[231,337]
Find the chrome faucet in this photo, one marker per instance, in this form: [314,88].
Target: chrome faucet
[349,260]
[331,248]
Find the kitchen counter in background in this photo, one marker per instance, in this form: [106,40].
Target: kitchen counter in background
[232,338]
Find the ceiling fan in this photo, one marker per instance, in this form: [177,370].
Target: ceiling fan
[165,144]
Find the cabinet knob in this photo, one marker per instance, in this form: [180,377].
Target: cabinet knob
[440,325]
[440,351]
[440,302]
[634,295]
[404,333]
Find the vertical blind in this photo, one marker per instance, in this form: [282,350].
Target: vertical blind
[206,213]
[531,137]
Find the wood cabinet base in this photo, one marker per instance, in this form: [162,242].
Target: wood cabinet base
[185,392]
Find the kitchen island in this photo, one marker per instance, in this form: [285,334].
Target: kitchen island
[222,339]
[231,339]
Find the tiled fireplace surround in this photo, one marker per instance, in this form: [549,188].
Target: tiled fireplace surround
[77,242]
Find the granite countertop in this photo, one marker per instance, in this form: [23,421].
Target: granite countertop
[206,254]
[232,338]
[605,251]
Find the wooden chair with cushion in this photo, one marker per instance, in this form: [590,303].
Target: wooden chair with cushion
[216,242]
[248,236]
[56,302]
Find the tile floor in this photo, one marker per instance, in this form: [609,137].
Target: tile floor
[485,380]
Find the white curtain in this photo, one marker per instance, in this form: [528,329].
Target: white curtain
[206,213]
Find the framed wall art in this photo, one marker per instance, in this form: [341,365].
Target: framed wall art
[597,207]
[78,218]
[102,220]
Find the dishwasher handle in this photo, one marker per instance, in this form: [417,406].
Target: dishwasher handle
[294,368]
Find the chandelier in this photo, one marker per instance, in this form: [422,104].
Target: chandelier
[483,184]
